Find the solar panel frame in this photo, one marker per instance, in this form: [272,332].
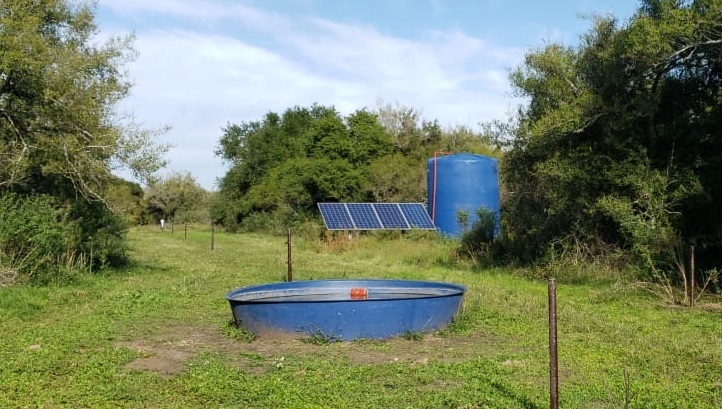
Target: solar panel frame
[376,216]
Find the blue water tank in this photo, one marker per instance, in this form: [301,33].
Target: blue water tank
[461,182]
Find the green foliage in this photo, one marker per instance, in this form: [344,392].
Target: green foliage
[477,239]
[37,242]
[102,234]
[60,136]
[401,175]
[319,338]
[369,139]
[177,198]
[644,218]
[301,183]
[58,90]
[125,199]
[618,149]
[462,217]
[274,222]
[284,164]
[397,178]
[412,336]
[237,332]
[254,149]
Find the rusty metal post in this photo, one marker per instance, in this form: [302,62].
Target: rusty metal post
[213,236]
[691,275]
[289,277]
[91,254]
[553,360]
[185,231]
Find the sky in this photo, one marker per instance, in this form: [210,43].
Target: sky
[204,64]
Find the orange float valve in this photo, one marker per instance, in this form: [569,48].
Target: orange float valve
[359,293]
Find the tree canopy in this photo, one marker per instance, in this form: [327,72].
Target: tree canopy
[60,134]
[58,92]
[284,164]
[177,198]
[619,146]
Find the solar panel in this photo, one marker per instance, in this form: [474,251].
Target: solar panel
[336,216]
[364,216]
[375,216]
[416,215]
[390,215]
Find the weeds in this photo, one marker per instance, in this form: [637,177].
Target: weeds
[412,335]
[237,332]
[317,337]
[673,282]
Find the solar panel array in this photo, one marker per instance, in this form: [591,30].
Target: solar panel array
[375,216]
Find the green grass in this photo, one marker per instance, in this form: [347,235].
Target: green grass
[158,335]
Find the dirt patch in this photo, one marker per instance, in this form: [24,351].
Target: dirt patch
[167,352]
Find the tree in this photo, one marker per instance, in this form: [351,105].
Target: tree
[57,94]
[59,132]
[177,198]
[397,178]
[400,175]
[618,147]
[403,123]
[285,164]
[125,198]
[282,165]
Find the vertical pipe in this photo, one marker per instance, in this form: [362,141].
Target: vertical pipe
[289,277]
[553,359]
[691,275]
[433,197]
[185,231]
[213,236]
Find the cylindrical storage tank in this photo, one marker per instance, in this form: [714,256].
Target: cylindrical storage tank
[461,182]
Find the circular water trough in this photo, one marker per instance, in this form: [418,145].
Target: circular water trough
[346,309]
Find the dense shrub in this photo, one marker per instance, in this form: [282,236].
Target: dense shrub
[102,234]
[36,238]
[476,240]
[617,151]
[41,242]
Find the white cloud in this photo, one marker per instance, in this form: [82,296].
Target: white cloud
[207,11]
[199,80]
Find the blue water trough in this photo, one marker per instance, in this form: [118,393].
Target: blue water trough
[346,309]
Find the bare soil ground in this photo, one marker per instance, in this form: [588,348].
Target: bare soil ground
[168,352]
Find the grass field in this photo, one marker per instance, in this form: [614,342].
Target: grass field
[158,335]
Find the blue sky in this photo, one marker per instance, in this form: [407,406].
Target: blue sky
[203,64]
